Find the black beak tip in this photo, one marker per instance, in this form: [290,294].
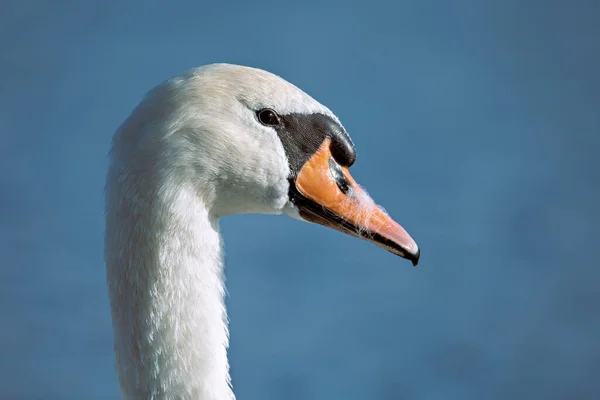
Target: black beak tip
[414,258]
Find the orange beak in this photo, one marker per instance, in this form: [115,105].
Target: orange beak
[325,193]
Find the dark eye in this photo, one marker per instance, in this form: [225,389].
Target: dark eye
[268,117]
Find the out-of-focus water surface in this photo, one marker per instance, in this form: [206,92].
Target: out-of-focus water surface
[477,125]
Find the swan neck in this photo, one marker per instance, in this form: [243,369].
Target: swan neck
[165,277]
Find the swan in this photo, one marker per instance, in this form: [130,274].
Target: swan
[217,140]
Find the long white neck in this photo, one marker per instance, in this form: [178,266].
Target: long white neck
[164,271]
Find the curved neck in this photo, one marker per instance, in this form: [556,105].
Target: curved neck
[164,272]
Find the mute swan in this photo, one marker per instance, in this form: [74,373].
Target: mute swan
[218,140]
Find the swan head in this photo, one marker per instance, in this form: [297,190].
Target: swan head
[248,141]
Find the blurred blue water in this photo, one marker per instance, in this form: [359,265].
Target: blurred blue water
[477,125]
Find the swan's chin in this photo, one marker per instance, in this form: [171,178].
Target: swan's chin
[292,211]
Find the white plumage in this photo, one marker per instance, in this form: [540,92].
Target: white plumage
[191,152]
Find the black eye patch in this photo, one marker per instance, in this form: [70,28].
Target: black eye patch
[303,134]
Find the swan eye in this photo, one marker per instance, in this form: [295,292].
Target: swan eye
[268,117]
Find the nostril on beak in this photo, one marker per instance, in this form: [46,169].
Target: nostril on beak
[339,177]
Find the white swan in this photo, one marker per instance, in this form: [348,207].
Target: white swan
[218,140]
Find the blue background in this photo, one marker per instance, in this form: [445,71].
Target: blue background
[477,125]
